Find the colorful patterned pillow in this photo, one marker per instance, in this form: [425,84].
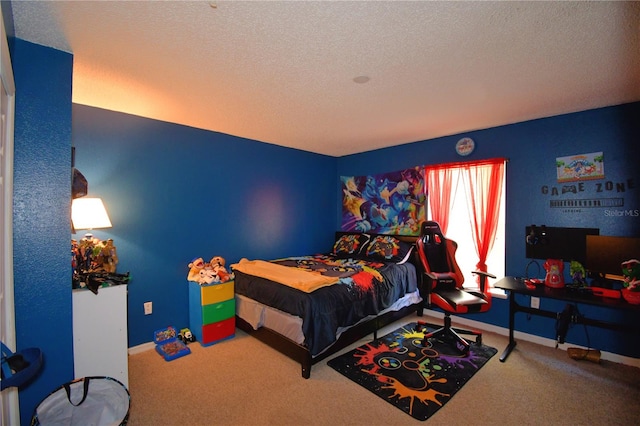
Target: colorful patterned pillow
[387,248]
[350,245]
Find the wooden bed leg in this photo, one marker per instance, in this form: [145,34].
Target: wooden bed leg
[306,366]
[376,326]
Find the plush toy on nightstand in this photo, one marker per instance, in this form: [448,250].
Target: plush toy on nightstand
[195,267]
[207,276]
[217,264]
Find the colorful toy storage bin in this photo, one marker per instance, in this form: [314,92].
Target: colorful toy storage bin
[212,310]
[168,345]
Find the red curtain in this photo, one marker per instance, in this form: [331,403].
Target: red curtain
[439,189]
[483,185]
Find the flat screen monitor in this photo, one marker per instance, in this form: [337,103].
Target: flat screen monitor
[546,242]
[605,254]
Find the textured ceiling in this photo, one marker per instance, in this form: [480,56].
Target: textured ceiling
[283,72]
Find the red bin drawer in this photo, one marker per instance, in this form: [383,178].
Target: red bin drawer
[221,330]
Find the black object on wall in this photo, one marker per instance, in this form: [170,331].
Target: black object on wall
[79,186]
[545,242]
[605,254]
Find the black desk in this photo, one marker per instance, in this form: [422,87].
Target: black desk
[516,286]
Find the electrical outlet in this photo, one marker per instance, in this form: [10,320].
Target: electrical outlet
[535,302]
[148,308]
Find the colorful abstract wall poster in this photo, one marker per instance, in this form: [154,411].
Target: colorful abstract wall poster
[580,167]
[389,203]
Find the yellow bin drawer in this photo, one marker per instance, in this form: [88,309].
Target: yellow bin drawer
[216,293]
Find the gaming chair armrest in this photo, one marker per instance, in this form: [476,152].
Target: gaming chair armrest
[440,276]
[428,279]
[442,279]
[432,279]
[483,279]
[446,280]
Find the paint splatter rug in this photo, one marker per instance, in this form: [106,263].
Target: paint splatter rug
[416,378]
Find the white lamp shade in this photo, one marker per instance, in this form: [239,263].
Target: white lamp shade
[89,213]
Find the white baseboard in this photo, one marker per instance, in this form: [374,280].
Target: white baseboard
[609,356]
[141,348]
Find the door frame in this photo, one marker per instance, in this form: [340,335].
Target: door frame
[9,401]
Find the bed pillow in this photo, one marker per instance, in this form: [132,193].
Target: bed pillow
[387,249]
[350,245]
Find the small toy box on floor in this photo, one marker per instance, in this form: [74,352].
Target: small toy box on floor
[168,345]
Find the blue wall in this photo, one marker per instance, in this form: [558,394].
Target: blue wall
[42,195]
[532,148]
[175,193]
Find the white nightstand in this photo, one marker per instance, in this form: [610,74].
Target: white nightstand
[100,333]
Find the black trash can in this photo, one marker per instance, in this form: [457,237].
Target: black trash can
[89,401]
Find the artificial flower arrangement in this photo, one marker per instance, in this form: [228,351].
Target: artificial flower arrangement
[631,273]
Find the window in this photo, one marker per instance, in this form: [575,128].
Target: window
[453,197]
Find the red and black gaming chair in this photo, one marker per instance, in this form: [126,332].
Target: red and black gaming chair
[442,284]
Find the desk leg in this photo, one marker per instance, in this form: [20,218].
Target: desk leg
[512,340]
[507,351]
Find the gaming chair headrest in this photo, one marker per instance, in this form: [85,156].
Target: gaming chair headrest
[433,248]
[430,233]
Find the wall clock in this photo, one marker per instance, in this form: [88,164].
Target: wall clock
[465,146]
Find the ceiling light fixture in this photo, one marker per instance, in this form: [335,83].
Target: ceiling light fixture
[361,79]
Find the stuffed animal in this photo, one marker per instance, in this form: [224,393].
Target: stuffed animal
[217,261]
[207,276]
[217,264]
[195,266]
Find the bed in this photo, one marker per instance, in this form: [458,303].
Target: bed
[310,307]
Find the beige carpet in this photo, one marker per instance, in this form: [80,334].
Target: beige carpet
[243,382]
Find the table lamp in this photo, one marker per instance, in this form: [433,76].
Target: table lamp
[89,213]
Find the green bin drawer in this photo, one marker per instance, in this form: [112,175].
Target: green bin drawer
[218,311]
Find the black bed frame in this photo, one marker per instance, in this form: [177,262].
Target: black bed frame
[301,353]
